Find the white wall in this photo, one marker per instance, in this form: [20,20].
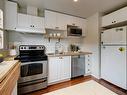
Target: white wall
[91,42]
[38,39]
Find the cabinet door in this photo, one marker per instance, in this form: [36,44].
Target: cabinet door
[121,15]
[10,15]
[23,21]
[37,22]
[108,19]
[114,36]
[1,19]
[53,70]
[113,65]
[62,21]
[81,23]
[50,19]
[65,67]
[115,17]
[69,20]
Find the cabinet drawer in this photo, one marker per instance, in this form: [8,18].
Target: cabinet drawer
[88,64]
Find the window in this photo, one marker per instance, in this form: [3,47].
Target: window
[1,30]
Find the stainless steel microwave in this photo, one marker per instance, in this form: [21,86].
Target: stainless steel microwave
[74,31]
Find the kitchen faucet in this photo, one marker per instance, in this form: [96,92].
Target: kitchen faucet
[56,47]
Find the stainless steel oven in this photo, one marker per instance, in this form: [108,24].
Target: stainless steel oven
[34,68]
[33,71]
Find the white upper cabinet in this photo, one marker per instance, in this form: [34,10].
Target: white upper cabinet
[54,20]
[59,21]
[115,17]
[50,19]
[28,23]
[1,19]
[38,22]
[62,21]
[10,15]
[23,21]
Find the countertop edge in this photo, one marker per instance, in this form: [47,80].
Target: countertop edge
[69,54]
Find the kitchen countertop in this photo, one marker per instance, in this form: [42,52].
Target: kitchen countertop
[6,67]
[68,54]
[9,74]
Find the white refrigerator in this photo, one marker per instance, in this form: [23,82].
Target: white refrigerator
[114,56]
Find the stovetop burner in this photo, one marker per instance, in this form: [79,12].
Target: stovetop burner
[30,53]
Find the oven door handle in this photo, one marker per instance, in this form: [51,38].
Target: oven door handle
[27,63]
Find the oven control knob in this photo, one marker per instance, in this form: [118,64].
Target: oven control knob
[21,47]
[24,47]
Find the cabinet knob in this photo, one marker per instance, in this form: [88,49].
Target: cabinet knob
[30,25]
[61,57]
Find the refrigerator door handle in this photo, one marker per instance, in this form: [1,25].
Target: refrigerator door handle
[122,49]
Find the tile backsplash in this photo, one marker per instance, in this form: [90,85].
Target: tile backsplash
[38,39]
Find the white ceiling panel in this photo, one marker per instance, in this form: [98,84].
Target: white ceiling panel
[82,8]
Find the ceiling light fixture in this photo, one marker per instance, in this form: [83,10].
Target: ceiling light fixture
[75,0]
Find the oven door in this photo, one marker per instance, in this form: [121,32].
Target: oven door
[33,70]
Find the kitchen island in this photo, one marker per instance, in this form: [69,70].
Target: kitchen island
[9,74]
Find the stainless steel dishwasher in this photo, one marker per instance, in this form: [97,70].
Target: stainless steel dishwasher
[77,66]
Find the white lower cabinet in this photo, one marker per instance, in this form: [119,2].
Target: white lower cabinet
[59,69]
[88,64]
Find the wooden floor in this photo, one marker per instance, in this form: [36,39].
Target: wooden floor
[115,89]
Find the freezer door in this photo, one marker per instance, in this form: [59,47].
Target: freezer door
[114,36]
[114,66]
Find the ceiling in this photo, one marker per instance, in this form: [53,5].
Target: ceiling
[82,8]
